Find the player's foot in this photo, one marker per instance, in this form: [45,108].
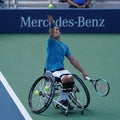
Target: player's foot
[66,104]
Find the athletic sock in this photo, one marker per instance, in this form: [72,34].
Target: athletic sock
[63,96]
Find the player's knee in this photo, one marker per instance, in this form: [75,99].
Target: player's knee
[71,78]
[67,78]
[64,79]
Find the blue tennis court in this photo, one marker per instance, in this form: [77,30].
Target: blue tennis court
[11,107]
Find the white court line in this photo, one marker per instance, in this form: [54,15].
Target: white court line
[15,98]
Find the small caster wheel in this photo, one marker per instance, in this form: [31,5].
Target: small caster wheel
[66,111]
[82,112]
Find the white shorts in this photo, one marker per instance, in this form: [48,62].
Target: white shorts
[61,72]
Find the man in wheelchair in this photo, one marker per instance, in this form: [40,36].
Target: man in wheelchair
[56,51]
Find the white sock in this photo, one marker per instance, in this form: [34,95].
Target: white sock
[63,96]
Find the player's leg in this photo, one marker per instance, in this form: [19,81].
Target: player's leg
[67,83]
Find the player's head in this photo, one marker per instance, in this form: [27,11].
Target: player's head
[57,32]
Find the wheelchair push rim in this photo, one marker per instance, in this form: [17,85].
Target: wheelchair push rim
[41,94]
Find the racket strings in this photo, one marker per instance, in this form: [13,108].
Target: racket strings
[102,87]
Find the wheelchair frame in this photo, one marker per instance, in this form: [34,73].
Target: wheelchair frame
[39,101]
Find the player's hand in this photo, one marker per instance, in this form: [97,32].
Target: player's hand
[80,6]
[50,19]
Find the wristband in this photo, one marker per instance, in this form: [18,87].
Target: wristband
[51,25]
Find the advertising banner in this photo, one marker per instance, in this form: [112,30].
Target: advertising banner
[70,20]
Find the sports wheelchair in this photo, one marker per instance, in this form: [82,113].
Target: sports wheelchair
[46,91]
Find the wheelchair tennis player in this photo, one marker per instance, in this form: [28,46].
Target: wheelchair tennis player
[56,50]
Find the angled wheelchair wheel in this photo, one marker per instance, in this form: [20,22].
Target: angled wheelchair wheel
[80,95]
[41,94]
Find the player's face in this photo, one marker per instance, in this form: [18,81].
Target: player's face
[57,31]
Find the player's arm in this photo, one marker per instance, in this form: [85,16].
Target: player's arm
[51,26]
[76,64]
[87,3]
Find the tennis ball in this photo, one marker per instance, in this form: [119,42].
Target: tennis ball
[36,92]
[50,6]
[46,87]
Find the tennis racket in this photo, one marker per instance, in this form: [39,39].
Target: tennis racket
[101,86]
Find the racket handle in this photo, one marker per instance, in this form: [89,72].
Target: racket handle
[87,78]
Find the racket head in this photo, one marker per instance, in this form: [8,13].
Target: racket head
[102,87]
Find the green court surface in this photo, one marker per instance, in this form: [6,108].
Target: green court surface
[22,60]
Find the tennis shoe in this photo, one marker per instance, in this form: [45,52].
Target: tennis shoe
[66,104]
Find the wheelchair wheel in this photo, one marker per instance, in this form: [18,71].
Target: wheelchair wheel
[41,94]
[80,95]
